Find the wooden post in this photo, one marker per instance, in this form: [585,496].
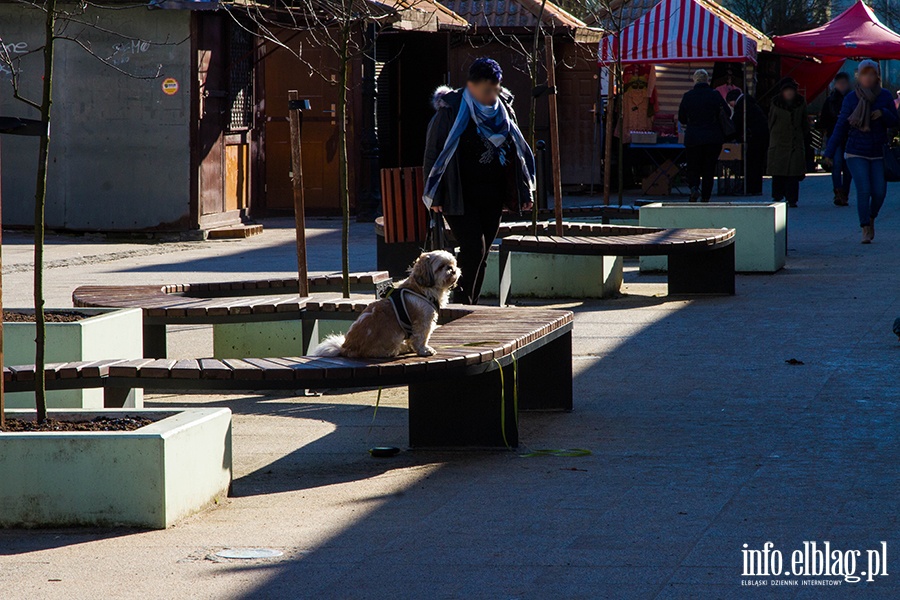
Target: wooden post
[554,135]
[295,115]
[744,145]
[607,137]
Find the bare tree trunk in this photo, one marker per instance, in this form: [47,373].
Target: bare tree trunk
[533,73]
[344,184]
[608,135]
[40,199]
[554,135]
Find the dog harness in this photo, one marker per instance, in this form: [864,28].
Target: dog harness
[398,303]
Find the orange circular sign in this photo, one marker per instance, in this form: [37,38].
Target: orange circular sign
[170,86]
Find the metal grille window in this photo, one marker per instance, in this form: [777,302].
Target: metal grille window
[240,80]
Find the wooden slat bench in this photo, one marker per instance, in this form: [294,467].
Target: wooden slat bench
[219,302]
[454,396]
[605,212]
[701,261]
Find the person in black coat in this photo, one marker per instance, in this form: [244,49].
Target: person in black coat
[757,141]
[702,112]
[840,173]
[477,162]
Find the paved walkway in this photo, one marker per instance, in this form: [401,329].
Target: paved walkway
[703,439]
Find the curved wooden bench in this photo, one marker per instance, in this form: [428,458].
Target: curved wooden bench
[455,396]
[548,228]
[701,261]
[218,302]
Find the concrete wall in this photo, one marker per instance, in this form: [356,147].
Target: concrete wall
[120,147]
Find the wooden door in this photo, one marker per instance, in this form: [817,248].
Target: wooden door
[577,80]
[284,72]
[212,101]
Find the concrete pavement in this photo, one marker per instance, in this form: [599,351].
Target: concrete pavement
[703,438]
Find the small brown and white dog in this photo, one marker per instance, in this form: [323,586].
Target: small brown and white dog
[404,321]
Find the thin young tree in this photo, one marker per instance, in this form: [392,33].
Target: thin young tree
[68,24]
[610,14]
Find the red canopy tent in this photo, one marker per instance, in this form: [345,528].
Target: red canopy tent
[855,33]
[676,31]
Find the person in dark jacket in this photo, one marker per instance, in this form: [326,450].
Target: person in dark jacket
[477,163]
[862,129]
[788,128]
[840,173]
[757,141]
[702,111]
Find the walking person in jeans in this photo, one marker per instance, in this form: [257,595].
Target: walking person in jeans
[840,173]
[862,128]
[703,111]
[477,163]
[788,127]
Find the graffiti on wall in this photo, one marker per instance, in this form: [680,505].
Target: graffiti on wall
[8,52]
[123,52]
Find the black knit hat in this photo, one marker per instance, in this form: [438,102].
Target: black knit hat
[733,95]
[788,82]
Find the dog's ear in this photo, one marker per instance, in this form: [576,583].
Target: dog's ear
[422,272]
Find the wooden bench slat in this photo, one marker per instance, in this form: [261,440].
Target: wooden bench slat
[243,370]
[211,368]
[158,369]
[188,368]
[128,368]
[272,370]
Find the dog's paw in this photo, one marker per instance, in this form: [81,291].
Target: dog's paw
[426,351]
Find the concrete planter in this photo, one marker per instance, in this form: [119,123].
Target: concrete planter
[107,333]
[151,477]
[556,276]
[760,230]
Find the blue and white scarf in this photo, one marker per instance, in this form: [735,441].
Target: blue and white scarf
[495,126]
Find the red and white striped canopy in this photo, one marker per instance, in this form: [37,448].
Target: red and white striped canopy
[679,31]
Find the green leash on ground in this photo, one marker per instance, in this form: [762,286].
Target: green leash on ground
[565,452]
[502,404]
[515,365]
[375,412]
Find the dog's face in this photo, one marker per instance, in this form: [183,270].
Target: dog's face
[435,270]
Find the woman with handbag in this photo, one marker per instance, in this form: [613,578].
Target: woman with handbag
[706,117]
[862,127]
[788,127]
[477,163]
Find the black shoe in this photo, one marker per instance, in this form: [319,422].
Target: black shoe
[792,204]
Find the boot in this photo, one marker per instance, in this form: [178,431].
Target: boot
[866,234]
[840,197]
[695,194]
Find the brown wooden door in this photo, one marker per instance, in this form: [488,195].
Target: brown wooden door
[577,80]
[212,104]
[285,72]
